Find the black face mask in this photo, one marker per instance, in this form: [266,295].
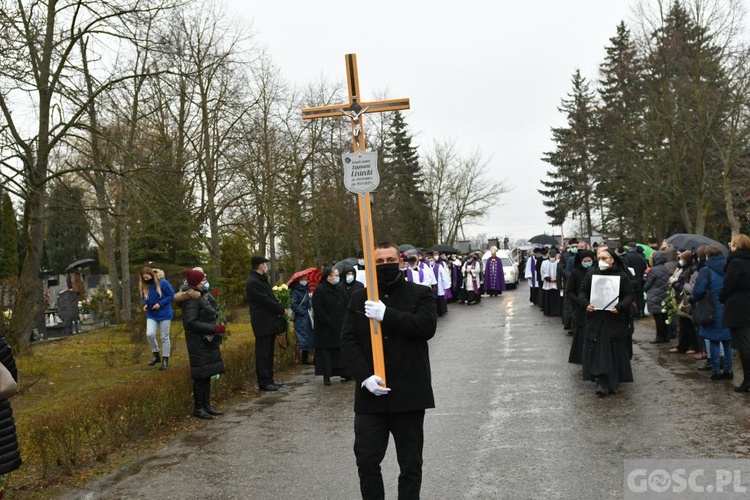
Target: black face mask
[388,274]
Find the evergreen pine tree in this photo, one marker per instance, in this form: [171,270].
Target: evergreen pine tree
[8,239]
[401,206]
[622,176]
[569,185]
[67,230]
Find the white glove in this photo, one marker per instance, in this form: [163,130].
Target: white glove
[371,384]
[374,310]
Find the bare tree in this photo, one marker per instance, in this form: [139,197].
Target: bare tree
[41,70]
[461,191]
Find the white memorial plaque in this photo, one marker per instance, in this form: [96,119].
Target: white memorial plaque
[361,171]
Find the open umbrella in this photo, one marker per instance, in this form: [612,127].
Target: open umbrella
[687,241]
[647,250]
[442,248]
[79,263]
[544,239]
[405,247]
[309,272]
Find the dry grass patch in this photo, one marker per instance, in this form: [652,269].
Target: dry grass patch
[84,397]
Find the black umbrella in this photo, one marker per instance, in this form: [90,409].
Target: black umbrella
[79,263]
[405,247]
[544,239]
[692,241]
[442,249]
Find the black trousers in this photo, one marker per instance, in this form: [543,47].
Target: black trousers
[264,347]
[371,432]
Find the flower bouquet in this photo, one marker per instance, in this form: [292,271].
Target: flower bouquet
[284,295]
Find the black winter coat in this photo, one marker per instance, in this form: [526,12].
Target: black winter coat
[199,319]
[10,456]
[657,282]
[410,321]
[735,294]
[605,324]
[329,303]
[264,306]
[575,281]
[639,264]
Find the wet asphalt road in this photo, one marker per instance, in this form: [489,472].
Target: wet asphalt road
[513,420]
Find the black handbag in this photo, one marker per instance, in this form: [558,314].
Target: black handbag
[280,325]
[704,310]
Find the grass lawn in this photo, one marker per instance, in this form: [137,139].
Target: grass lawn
[78,392]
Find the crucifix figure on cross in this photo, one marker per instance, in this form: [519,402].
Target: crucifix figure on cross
[354,110]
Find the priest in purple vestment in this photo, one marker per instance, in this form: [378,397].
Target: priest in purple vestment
[494,278]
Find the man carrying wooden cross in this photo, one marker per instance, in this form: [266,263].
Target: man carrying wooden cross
[408,318]
[384,337]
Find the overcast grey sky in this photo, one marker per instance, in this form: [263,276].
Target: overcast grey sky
[486,74]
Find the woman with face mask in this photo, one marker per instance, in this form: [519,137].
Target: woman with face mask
[302,308]
[157,295]
[607,343]
[583,262]
[349,282]
[329,304]
[657,289]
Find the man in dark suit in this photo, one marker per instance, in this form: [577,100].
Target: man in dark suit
[264,309]
[408,317]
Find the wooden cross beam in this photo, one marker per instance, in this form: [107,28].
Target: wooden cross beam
[354,110]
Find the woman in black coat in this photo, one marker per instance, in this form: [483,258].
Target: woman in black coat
[329,304]
[10,456]
[203,337]
[735,295]
[584,259]
[608,332]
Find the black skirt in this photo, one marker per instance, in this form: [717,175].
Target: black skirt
[552,303]
[607,362]
[330,363]
[741,338]
[576,348]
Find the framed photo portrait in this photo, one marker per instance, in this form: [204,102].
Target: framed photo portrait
[605,291]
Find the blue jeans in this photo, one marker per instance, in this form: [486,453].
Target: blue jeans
[715,355]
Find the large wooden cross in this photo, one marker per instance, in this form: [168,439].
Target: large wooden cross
[354,110]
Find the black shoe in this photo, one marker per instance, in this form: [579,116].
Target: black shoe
[270,387]
[154,360]
[601,391]
[743,387]
[164,363]
[202,414]
[212,411]
[659,341]
[715,376]
[727,375]
[326,381]
[278,384]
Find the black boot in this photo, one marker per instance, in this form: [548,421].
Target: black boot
[207,403]
[202,414]
[306,357]
[155,359]
[164,363]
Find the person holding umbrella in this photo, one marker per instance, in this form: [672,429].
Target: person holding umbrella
[302,309]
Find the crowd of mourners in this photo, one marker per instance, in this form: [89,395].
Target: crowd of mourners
[698,296]
[454,278]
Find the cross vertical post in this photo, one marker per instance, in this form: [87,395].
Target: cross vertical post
[354,110]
